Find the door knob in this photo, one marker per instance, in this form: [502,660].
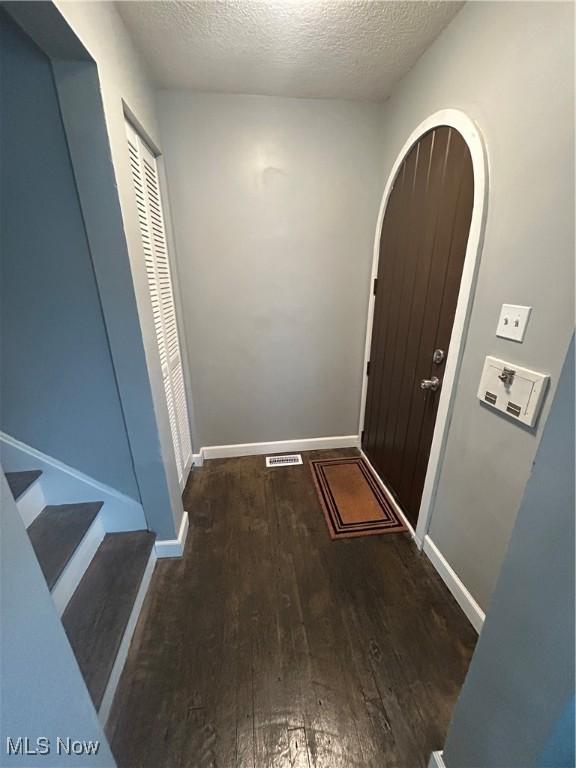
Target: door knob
[432,383]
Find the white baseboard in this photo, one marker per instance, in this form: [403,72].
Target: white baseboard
[463,597]
[436,760]
[449,576]
[197,459]
[121,656]
[62,484]
[174,547]
[31,502]
[279,446]
[397,509]
[76,567]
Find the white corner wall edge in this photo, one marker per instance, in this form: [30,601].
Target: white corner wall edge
[449,576]
[174,547]
[436,760]
[121,656]
[62,484]
[280,446]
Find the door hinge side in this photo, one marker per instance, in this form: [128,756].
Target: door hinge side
[375,286]
[368,368]
[362,438]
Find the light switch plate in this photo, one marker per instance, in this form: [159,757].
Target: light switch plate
[513,321]
[518,392]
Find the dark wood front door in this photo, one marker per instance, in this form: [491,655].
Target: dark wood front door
[422,250]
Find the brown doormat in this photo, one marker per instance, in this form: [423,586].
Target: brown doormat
[353,501]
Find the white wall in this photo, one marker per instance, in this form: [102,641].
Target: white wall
[274,204]
[74,35]
[509,66]
[124,82]
[122,72]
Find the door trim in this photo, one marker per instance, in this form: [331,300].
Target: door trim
[459,120]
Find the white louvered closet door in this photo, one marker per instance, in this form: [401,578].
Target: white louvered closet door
[151,219]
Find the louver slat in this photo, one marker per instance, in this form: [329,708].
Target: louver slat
[153,235]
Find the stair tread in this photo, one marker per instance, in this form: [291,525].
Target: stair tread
[56,533]
[98,612]
[19,482]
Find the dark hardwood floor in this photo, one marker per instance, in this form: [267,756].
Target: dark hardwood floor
[268,644]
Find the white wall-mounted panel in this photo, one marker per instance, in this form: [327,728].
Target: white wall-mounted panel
[511,389]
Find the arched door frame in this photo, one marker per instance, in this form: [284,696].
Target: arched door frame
[458,120]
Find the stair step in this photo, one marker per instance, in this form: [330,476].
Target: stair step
[56,533]
[97,615]
[19,482]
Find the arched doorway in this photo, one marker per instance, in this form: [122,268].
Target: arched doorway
[425,261]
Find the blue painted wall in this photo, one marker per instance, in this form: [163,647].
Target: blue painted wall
[57,386]
[39,699]
[516,709]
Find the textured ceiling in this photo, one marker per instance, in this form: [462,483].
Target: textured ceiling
[353,49]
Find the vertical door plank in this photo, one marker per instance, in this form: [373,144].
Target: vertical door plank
[422,249]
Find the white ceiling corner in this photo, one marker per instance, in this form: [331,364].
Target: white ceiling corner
[351,49]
